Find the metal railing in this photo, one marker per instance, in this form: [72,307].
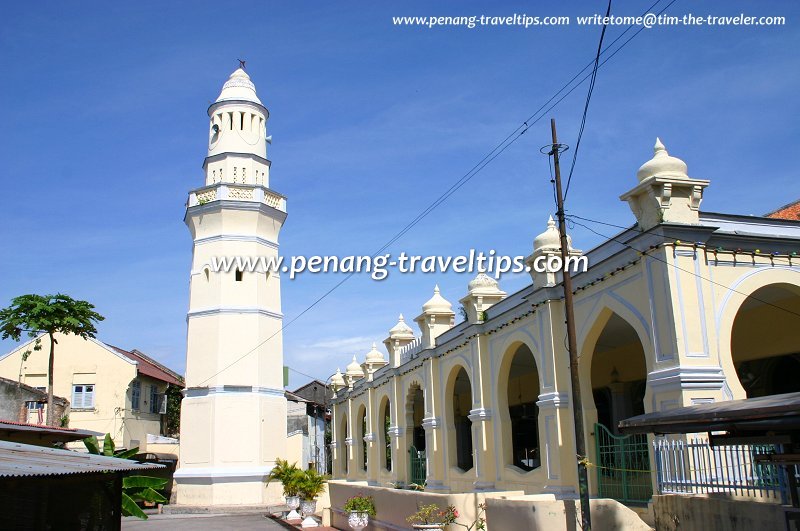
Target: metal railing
[418,466]
[695,467]
[623,467]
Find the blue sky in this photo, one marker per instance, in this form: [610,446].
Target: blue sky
[105,132]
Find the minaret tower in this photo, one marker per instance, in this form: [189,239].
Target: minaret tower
[233,417]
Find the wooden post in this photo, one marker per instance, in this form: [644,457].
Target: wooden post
[577,407]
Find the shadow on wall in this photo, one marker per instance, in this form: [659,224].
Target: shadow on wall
[536,512]
[702,512]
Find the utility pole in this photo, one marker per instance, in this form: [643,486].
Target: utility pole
[577,406]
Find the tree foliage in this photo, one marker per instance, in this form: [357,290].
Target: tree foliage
[172,420]
[37,315]
[109,449]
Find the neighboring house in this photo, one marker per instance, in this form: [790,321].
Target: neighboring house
[316,391]
[23,403]
[790,211]
[111,390]
[305,432]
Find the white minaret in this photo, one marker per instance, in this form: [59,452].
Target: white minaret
[233,417]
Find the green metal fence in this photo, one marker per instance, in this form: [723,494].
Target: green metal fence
[418,467]
[623,471]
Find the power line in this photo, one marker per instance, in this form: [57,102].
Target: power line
[588,99]
[664,237]
[645,254]
[486,160]
[303,374]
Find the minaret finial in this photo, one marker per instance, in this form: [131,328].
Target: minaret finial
[241,64]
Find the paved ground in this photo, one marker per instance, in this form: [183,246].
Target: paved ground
[198,522]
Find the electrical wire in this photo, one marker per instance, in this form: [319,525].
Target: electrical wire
[588,99]
[665,238]
[701,277]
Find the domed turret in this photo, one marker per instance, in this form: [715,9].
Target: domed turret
[401,329]
[437,303]
[436,318]
[239,87]
[400,335]
[337,381]
[665,193]
[374,355]
[482,282]
[354,371]
[550,239]
[482,293]
[662,165]
[373,361]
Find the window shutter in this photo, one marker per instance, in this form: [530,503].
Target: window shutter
[77,396]
[88,397]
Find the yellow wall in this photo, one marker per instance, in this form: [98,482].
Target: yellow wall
[79,361]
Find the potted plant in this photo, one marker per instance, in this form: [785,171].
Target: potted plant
[433,517]
[289,476]
[428,517]
[291,490]
[310,484]
[359,508]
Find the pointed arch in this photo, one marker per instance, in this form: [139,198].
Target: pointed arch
[610,311]
[750,290]
[519,386]
[384,442]
[343,436]
[360,442]
[458,404]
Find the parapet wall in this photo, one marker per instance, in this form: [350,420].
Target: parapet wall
[393,506]
[704,512]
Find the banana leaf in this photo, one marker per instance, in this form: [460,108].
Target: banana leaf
[132,482]
[129,508]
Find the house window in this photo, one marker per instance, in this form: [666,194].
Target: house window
[33,405]
[83,397]
[153,399]
[136,394]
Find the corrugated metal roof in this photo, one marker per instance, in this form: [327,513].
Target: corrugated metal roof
[779,413]
[43,427]
[26,460]
[10,430]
